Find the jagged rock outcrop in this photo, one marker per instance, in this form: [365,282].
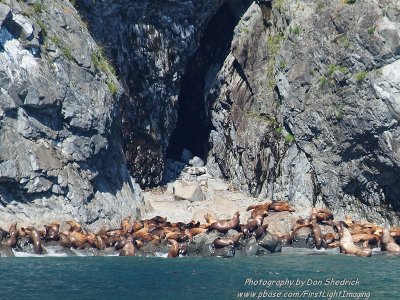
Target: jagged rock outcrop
[306,106]
[60,150]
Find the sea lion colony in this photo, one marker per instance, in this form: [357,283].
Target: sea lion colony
[350,237]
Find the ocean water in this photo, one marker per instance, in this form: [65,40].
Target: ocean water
[295,274]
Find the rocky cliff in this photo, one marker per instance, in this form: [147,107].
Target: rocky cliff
[294,100]
[306,106]
[60,150]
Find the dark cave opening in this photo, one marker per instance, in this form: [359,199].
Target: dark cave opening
[193,125]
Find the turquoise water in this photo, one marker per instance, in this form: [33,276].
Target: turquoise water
[199,278]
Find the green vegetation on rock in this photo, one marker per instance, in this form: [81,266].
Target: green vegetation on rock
[360,76]
[100,62]
[371,29]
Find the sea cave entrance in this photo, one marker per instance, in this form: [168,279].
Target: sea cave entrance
[193,125]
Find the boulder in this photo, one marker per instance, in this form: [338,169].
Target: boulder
[190,191]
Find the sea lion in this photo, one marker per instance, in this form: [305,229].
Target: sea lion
[177,236]
[52,231]
[77,239]
[197,230]
[313,215]
[35,239]
[158,220]
[224,226]
[91,239]
[281,206]
[64,240]
[260,231]
[192,224]
[324,215]
[224,242]
[372,239]
[253,224]
[173,249]
[209,218]
[259,209]
[347,245]
[136,226]
[183,249]
[11,241]
[143,232]
[395,234]
[158,231]
[388,243]
[100,242]
[125,225]
[121,243]
[316,233]
[128,249]
[258,212]
[329,238]
[74,226]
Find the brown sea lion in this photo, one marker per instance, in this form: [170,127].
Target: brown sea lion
[173,249]
[91,239]
[224,242]
[209,218]
[324,215]
[177,236]
[22,232]
[35,239]
[183,249]
[260,231]
[372,239]
[259,209]
[136,226]
[313,215]
[281,206]
[128,249]
[192,224]
[198,230]
[11,241]
[258,212]
[100,243]
[121,243]
[347,245]
[224,226]
[74,226]
[253,224]
[52,232]
[388,243]
[317,235]
[125,225]
[349,221]
[158,231]
[329,238]
[395,234]
[334,244]
[143,232]
[263,205]
[77,239]
[64,240]
[159,220]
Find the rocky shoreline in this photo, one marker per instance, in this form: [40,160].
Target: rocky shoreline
[196,215]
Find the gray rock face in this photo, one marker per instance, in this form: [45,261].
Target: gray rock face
[299,102]
[157,39]
[306,107]
[60,155]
